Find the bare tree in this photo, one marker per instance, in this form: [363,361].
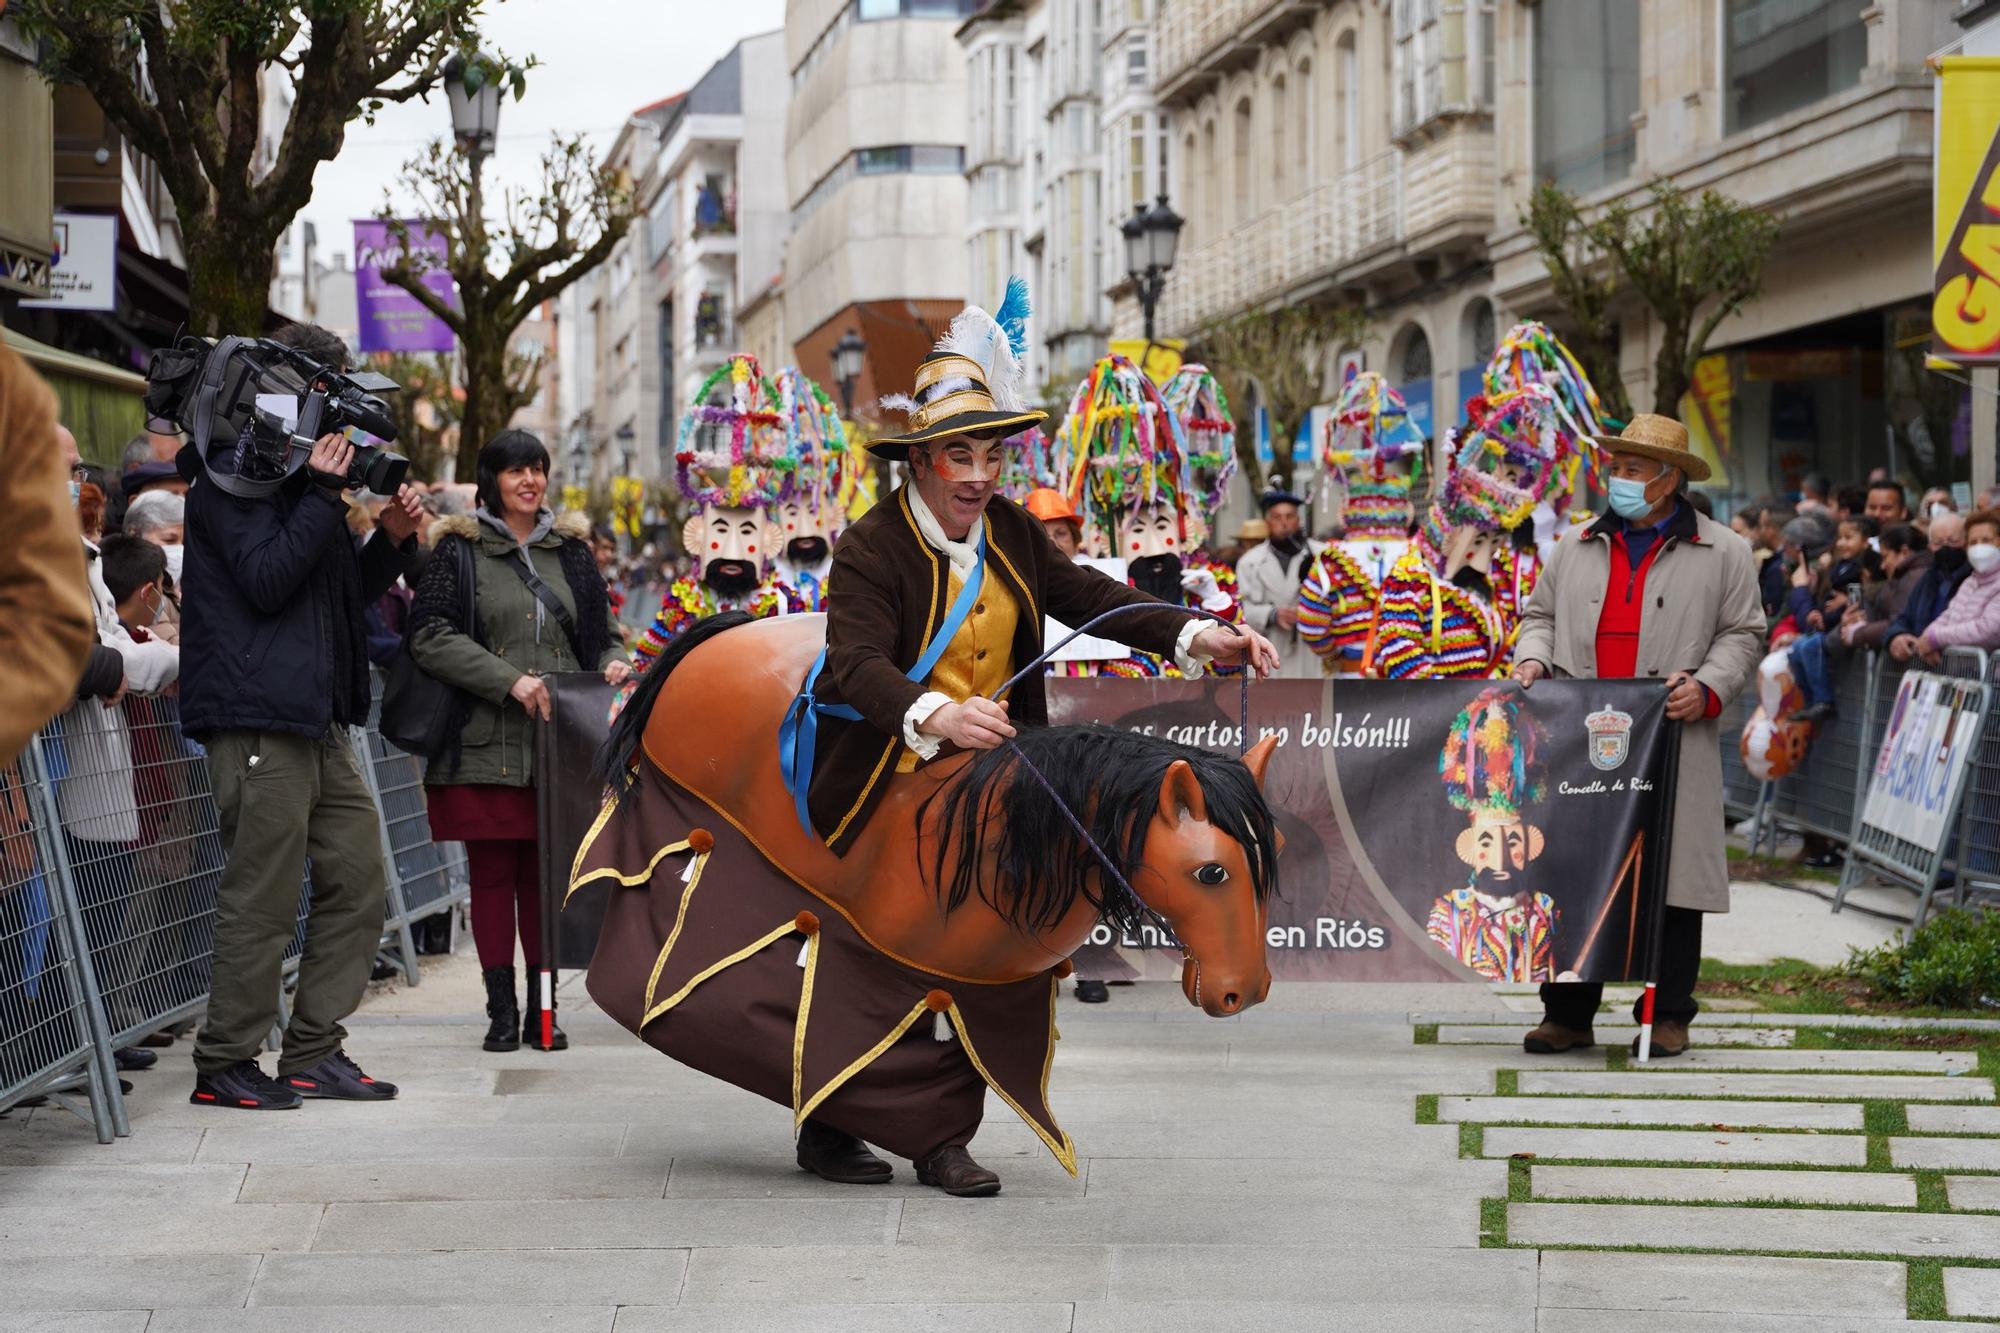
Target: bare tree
[1282,351]
[543,241]
[184,80]
[1584,283]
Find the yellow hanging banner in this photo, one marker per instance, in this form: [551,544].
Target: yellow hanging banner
[1965,212]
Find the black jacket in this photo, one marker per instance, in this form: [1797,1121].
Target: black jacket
[1928,599]
[272,631]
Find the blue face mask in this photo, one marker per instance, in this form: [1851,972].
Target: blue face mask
[1628,499]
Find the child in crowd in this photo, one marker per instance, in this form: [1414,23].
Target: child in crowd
[1818,605]
[135,573]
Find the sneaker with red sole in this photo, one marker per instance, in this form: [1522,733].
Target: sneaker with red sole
[338,1078]
[244,1086]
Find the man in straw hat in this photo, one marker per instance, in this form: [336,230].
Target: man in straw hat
[1653,590]
[946,560]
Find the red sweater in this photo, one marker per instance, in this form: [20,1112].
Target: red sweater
[1618,622]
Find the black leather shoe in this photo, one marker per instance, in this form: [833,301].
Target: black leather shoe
[841,1158]
[134,1057]
[953,1171]
[503,1028]
[1092,992]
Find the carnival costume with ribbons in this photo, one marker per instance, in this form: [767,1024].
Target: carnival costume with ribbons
[772,920]
[730,456]
[1122,449]
[1493,768]
[812,476]
[1371,458]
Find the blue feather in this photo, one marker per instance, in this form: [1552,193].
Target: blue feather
[1012,317]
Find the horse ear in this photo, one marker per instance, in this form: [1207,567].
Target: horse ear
[1181,790]
[1259,759]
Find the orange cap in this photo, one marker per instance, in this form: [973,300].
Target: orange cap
[1049,504]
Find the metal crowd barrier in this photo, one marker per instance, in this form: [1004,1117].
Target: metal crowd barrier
[110,857]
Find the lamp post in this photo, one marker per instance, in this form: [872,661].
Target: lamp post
[1151,237]
[847,354]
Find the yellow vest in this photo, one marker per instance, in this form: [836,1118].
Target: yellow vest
[980,656]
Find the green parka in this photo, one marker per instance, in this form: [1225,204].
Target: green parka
[497,746]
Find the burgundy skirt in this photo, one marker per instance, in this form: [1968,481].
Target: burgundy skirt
[481,812]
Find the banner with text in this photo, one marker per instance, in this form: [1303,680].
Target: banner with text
[391,319]
[1926,749]
[1432,830]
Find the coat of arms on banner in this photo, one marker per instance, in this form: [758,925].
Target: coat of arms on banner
[1610,738]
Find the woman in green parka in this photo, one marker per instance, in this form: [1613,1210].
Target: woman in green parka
[540,607]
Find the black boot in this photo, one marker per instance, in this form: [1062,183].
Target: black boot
[503,1032]
[531,1017]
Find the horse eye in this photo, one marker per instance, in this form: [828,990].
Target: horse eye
[1211,874]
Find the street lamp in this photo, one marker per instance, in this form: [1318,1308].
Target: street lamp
[847,354]
[1151,237]
[472,83]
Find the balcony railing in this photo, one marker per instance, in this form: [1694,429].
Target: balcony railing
[1192,30]
[1315,235]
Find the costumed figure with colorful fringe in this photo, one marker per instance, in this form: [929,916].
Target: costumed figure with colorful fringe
[1031,465]
[807,518]
[1195,395]
[1492,767]
[728,462]
[1511,458]
[1129,470]
[1371,459]
[840,857]
[1435,619]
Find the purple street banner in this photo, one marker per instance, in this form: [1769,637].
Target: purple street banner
[1433,830]
[391,319]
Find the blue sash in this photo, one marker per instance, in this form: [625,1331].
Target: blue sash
[798,734]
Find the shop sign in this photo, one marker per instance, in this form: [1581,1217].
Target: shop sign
[83,274]
[1965,212]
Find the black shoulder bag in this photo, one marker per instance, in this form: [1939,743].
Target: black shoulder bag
[417,707]
[553,604]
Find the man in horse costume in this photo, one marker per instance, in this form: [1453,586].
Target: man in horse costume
[882,859]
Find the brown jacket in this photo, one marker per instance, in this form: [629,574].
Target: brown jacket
[1703,614]
[886,596]
[46,621]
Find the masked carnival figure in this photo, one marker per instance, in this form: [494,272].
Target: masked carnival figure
[1371,459]
[1493,769]
[1435,619]
[1196,397]
[1530,354]
[1511,458]
[806,520]
[1125,454]
[731,443]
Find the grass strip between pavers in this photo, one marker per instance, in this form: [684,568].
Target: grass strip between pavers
[1427,1108]
[1493,1224]
[1923,1289]
[1425,1034]
[1471,1140]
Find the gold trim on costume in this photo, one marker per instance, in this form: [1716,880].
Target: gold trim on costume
[799,1029]
[604,812]
[1065,1151]
[732,960]
[631,881]
[944,367]
[953,403]
[873,1053]
[680,919]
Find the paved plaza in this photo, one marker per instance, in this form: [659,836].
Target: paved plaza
[1346,1157]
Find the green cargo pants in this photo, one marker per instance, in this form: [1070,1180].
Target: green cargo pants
[281,799]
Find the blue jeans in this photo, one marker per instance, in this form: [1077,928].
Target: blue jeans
[1815,678]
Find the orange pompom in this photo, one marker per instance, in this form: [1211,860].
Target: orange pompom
[938,1001]
[701,842]
[1063,969]
[806,923]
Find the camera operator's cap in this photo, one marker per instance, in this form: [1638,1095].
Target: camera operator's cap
[971,383]
[1662,438]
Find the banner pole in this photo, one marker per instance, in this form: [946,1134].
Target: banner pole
[1670,772]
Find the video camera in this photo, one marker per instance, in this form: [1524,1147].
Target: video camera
[225,390]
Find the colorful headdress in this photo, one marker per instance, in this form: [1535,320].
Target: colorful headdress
[1030,465]
[1368,433]
[973,380]
[732,441]
[1123,445]
[1530,354]
[1515,430]
[1492,762]
[813,468]
[1196,397]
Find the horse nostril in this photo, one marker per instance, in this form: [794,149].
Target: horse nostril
[1231,1000]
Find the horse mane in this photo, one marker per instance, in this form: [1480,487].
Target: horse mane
[1111,779]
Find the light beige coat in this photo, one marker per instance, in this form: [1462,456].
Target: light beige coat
[1702,614]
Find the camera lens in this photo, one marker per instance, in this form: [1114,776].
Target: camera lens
[380,470]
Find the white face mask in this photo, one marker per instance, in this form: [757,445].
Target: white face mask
[173,551]
[1983,557]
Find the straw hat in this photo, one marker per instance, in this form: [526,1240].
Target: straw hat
[1656,437]
[1253,530]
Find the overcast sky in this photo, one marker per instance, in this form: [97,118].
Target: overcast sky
[601,60]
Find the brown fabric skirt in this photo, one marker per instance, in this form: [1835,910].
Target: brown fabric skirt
[715,973]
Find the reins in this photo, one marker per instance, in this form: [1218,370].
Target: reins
[1104,858]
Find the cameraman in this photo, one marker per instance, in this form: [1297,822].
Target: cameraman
[274,671]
